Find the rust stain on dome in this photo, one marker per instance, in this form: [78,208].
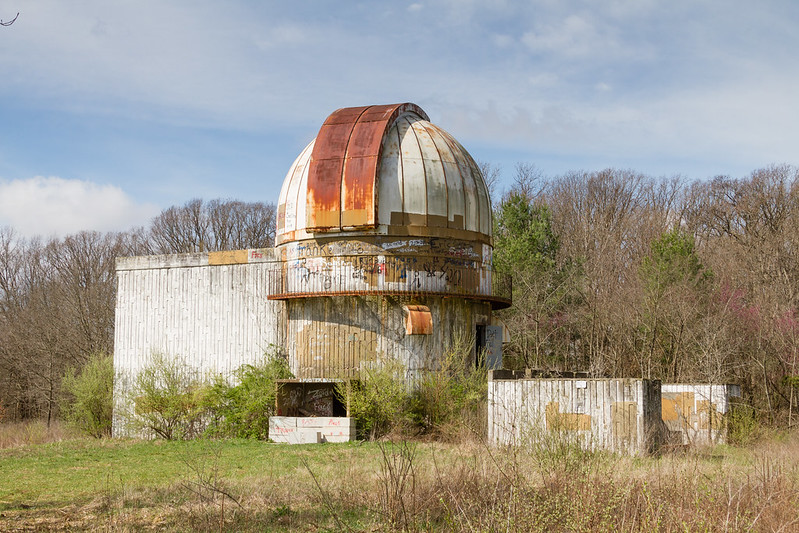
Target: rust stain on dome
[344,166]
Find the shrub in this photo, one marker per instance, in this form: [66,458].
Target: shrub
[243,410]
[439,402]
[743,426]
[88,396]
[379,401]
[169,399]
[451,397]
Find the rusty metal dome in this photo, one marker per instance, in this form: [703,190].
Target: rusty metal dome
[386,170]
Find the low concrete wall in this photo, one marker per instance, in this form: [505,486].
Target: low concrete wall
[697,413]
[620,415]
[310,430]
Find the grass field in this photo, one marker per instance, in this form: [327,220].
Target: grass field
[127,485]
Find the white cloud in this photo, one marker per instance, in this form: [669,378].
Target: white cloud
[55,206]
[502,40]
[574,36]
[415,7]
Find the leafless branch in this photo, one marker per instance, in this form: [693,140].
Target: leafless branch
[10,22]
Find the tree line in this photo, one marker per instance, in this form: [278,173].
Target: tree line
[621,274]
[57,295]
[614,272]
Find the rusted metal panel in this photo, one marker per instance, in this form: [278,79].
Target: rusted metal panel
[358,192]
[344,165]
[418,320]
[323,200]
[361,165]
[613,414]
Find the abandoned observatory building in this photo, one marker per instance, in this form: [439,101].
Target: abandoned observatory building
[383,251]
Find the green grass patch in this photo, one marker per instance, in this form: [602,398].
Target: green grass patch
[77,470]
[248,485]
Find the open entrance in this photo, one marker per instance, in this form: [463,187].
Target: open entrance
[488,346]
[309,398]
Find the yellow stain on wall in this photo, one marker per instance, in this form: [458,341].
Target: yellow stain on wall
[624,418]
[232,257]
[677,410]
[565,421]
[709,417]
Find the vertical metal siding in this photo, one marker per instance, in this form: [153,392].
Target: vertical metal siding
[336,337]
[215,318]
[622,413]
[697,413]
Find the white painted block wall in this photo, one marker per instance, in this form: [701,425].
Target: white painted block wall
[310,430]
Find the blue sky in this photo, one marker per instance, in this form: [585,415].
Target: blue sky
[111,111]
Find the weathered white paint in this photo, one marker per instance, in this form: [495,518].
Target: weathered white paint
[291,209]
[340,336]
[697,413]
[213,317]
[620,415]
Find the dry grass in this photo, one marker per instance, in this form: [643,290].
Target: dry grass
[14,434]
[426,486]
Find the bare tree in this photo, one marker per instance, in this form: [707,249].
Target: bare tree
[491,175]
[201,226]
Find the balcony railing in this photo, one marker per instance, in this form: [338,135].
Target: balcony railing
[398,275]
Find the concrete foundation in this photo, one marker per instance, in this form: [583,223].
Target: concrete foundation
[311,430]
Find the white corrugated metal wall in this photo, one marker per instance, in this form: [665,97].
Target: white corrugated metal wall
[697,413]
[621,415]
[214,317]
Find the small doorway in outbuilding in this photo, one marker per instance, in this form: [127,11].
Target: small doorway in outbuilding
[488,346]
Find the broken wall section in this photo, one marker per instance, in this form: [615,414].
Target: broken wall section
[619,415]
[697,414]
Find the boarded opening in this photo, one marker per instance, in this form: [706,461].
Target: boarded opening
[418,320]
[309,398]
